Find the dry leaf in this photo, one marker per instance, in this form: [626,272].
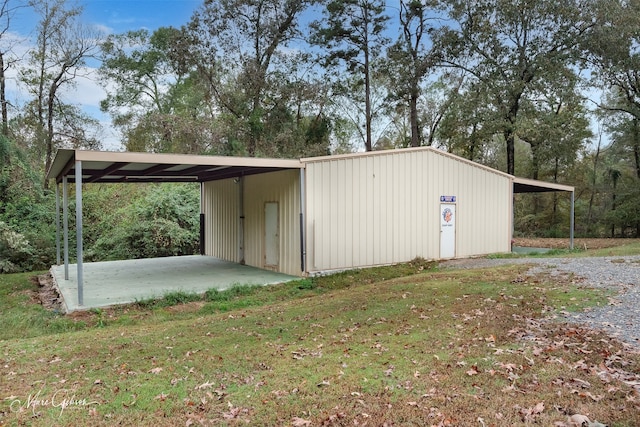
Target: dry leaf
[156,370]
[578,420]
[473,371]
[204,385]
[300,422]
[539,408]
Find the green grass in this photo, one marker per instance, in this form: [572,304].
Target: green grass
[621,250]
[406,344]
[21,317]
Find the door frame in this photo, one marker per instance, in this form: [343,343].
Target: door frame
[271,261]
[445,224]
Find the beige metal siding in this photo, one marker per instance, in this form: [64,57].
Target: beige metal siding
[222,213]
[384,208]
[283,188]
[221,207]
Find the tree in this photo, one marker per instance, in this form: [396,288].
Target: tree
[152,98]
[62,46]
[353,33]
[509,47]
[410,60]
[7,60]
[236,47]
[468,121]
[612,50]
[555,125]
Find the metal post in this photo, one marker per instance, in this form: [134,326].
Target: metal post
[57,223]
[303,245]
[79,232]
[202,224]
[241,222]
[571,220]
[65,224]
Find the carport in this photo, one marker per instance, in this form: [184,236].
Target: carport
[138,279]
[524,185]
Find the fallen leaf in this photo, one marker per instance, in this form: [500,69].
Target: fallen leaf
[300,422]
[204,385]
[473,371]
[539,408]
[156,370]
[578,420]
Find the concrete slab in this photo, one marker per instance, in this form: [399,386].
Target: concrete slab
[528,250]
[122,282]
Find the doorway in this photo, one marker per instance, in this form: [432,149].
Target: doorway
[271,236]
[447,230]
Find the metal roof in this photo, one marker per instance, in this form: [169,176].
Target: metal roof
[520,185]
[524,185]
[111,167]
[107,166]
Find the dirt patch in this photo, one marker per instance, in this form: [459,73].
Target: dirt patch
[47,294]
[578,243]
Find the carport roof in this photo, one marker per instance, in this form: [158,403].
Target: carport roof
[104,166]
[524,185]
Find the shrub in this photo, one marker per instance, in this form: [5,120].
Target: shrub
[15,250]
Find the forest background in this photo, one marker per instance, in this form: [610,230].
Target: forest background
[536,88]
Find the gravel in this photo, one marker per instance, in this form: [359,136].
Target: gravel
[620,318]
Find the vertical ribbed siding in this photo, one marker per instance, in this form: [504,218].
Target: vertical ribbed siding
[284,188]
[222,215]
[384,208]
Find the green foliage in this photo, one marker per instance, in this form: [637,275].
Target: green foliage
[352,36]
[15,250]
[26,213]
[165,222]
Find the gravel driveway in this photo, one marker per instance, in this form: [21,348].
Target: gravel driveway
[620,319]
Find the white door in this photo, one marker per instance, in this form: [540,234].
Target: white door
[271,235]
[447,230]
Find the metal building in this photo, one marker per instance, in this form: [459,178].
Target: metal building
[361,210]
[320,214]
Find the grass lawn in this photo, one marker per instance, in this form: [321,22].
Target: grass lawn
[406,345]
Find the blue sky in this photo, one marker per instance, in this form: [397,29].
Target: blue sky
[123,15]
[112,17]
[118,16]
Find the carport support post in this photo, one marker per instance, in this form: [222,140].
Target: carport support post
[571,219]
[202,251]
[65,224]
[79,231]
[303,252]
[241,221]
[57,223]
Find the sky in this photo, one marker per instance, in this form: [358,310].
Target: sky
[111,17]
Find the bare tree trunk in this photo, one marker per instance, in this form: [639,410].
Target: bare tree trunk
[593,185]
[3,97]
[415,128]
[368,145]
